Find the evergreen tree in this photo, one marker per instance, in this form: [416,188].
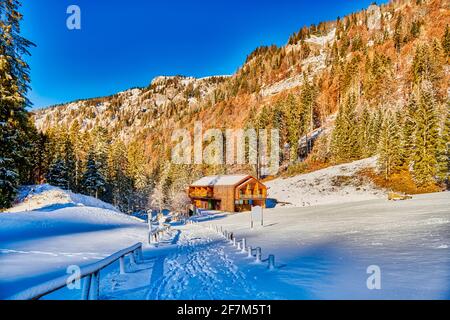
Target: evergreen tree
[293,123]
[408,128]
[376,121]
[307,107]
[398,34]
[443,156]
[344,143]
[92,181]
[101,145]
[426,137]
[388,151]
[137,171]
[57,175]
[446,42]
[365,134]
[76,140]
[14,80]
[426,65]
[69,163]
[121,184]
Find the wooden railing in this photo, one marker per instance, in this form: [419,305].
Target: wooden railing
[201,194]
[91,274]
[155,234]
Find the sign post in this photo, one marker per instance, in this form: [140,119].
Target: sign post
[257,213]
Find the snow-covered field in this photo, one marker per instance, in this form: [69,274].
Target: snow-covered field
[60,229]
[337,184]
[321,251]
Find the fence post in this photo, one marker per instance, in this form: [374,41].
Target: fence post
[243,245]
[239,246]
[86,287]
[271,262]
[95,285]
[122,265]
[258,254]
[234,242]
[140,254]
[132,258]
[249,252]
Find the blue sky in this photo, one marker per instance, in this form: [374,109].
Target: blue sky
[124,44]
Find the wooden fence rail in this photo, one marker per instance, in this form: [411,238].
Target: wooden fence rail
[91,273]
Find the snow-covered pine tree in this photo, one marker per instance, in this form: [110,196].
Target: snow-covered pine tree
[57,175]
[92,181]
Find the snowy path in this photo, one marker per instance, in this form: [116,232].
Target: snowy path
[200,265]
[201,268]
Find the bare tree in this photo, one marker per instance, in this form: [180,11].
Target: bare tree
[157,198]
[180,202]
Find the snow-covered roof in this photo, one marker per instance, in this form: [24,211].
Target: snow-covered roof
[220,180]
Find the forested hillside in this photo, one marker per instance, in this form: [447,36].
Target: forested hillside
[375,82]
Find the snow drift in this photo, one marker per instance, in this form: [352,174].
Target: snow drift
[50,229]
[46,197]
[337,184]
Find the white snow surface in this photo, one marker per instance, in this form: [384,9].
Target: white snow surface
[45,196]
[220,180]
[321,252]
[324,186]
[52,229]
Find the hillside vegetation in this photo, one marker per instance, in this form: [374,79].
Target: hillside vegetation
[376,82]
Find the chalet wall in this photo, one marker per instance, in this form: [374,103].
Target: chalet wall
[253,191]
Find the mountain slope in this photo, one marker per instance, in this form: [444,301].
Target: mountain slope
[374,64]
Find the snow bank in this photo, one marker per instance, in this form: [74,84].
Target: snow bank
[47,197]
[52,229]
[336,184]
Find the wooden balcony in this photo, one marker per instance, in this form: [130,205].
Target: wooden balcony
[201,194]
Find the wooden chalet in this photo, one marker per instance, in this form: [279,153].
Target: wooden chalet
[232,193]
